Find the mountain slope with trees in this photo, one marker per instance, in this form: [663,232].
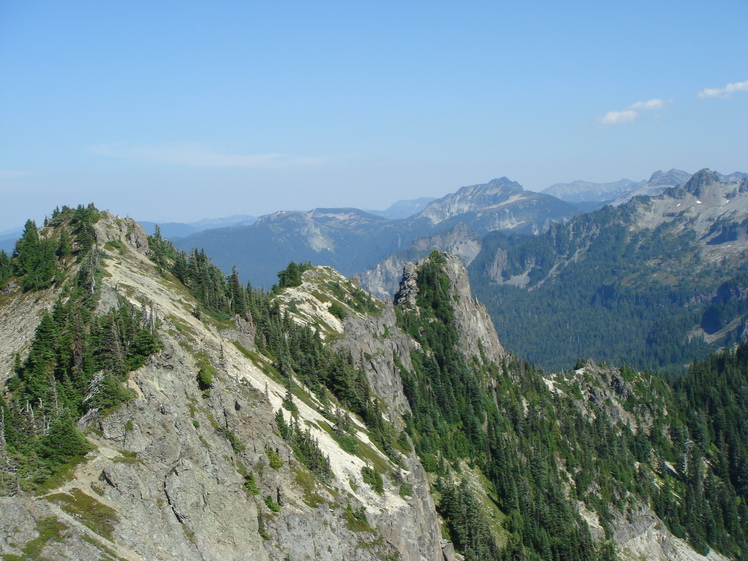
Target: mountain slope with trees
[653,282]
[315,421]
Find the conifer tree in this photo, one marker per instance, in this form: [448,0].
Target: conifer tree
[237,296]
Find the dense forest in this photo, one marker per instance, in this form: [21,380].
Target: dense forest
[597,287]
[533,443]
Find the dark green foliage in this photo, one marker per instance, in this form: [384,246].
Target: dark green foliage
[5,267]
[250,484]
[467,525]
[356,519]
[712,452]
[206,282]
[38,261]
[373,478]
[83,220]
[205,377]
[77,362]
[237,296]
[271,504]
[291,275]
[457,415]
[352,296]
[305,448]
[63,245]
[347,442]
[616,293]
[236,444]
[338,311]
[444,392]
[62,443]
[35,259]
[406,490]
[275,461]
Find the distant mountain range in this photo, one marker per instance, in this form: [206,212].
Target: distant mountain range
[652,272]
[653,282]
[617,192]
[173,230]
[8,239]
[353,241]
[403,209]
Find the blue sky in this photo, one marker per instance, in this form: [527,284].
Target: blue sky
[176,111]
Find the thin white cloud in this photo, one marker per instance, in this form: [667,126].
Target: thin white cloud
[197,155]
[618,117]
[632,111]
[650,104]
[725,92]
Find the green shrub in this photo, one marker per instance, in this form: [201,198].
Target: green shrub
[236,444]
[347,442]
[373,478]
[275,461]
[338,311]
[272,505]
[205,376]
[250,484]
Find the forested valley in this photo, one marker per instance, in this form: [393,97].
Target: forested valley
[511,450]
[601,287]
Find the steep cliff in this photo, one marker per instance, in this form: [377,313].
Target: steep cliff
[184,471]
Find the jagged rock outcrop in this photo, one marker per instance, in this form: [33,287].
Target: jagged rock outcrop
[383,279]
[375,342]
[477,334]
[476,331]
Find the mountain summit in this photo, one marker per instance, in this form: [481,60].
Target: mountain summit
[500,204]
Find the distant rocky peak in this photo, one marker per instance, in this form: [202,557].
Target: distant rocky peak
[673,177]
[505,182]
[502,185]
[700,180]
[734,177]
[471,198]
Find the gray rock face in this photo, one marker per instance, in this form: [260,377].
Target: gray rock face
[477,334]
[374,341]
[166,480]
[122,229]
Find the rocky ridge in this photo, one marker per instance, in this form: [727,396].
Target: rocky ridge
[175,459]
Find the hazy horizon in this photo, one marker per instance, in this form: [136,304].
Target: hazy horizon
[180,111]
